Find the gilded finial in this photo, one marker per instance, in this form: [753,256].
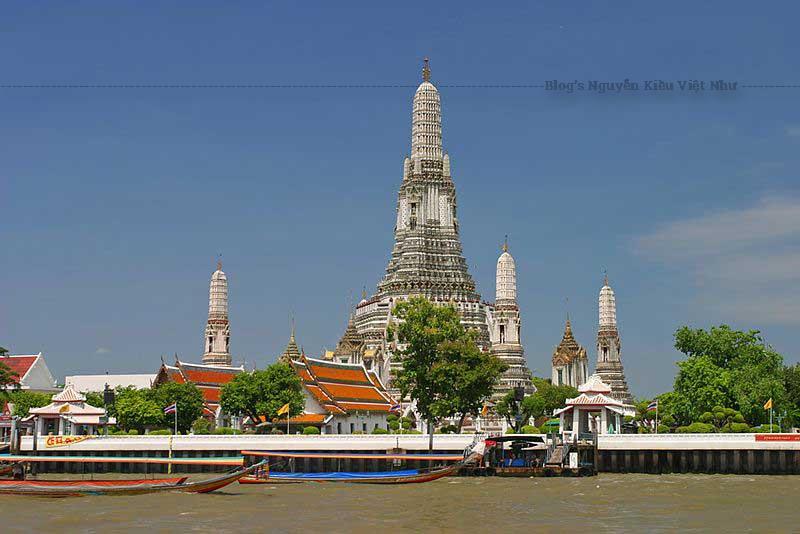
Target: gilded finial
[219,262]
[364,293]
[426,71]
[505,244]
[605,277]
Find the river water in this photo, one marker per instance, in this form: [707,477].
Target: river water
[606,503]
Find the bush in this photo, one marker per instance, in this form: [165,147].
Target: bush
[448,429]
[379,430]
[510,430]
[391,417]
[663,429]
[529,429]
[133,432]
[276,431]
[394,425]
[695,428]
[412,432]
[736,428]
[225,430]
[160,432]
[358,432]
[311,431]
[202,426]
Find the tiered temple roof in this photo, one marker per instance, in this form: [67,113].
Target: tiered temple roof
[568,350]
[343,388]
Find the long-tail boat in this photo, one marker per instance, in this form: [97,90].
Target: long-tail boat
[407,476]
[72,488]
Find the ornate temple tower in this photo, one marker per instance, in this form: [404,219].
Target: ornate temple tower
[427,258]
[505,327]
[570,362]
[218,332]
[609,362]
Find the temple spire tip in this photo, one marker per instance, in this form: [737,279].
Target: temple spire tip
[426,70]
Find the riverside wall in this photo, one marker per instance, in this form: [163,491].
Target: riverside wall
[774,454]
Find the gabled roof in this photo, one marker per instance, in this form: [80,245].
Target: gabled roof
[20,364]
[342,387]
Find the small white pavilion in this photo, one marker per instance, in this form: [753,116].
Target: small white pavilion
[68,414]
[593,411]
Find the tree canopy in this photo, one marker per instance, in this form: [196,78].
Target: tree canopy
[262,393]
[8,378]
[728,368]
[23,401]
[189,400]
[136,409]
[442,367]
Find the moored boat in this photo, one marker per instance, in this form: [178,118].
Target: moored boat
[407,476]
[74,488]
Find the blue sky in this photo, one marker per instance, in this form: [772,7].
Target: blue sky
[115,202]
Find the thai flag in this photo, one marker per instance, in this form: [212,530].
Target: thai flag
[653,406]
[172,408]
[395,408]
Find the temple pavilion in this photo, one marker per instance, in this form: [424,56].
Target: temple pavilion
[69,415]
[594,411]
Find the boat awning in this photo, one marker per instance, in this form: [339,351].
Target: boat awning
[231,460]
[421,457]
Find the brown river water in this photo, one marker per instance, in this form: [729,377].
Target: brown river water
[606,503]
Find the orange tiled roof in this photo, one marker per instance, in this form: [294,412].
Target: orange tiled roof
[211,394]
[348,392]
[341,387]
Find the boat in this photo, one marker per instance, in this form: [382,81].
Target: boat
[6,469]
[407,476]
[74,488]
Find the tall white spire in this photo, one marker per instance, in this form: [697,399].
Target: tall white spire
[217,339]
[607,307]
[426,120]
[506,282]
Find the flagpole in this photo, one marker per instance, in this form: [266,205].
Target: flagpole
[656,416]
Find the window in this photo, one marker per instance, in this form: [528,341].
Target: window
[338,428]
[352,428]
[210,343]
[605,354]
[502,333]
[364,427]
[560,377]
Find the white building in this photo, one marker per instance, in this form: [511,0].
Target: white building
[97,383]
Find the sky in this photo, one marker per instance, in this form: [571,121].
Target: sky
[115,202]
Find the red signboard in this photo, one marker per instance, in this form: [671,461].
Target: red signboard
[777,437]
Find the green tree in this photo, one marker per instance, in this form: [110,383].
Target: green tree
[791,383]
[471,374]
[727,367]
[427,335]
[137,409]
[700,385]
[23,401]
[189,400]
[9,380]
[262,393]
[93,398]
